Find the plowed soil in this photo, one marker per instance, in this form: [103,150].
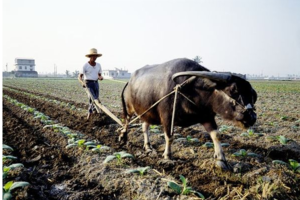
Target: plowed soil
[55,172]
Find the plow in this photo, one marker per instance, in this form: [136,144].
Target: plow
[99,106]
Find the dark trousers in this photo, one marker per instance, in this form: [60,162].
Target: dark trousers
[94,89]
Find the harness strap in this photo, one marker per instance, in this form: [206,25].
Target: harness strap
[151,107]
[174,109]
[175,90]
[186,98]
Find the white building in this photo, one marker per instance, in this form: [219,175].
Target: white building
[25,67]
[115,74]
[24,64]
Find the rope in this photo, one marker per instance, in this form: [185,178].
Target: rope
[174,109]
[176,88]
[186,98]
[151,107]
[116,81]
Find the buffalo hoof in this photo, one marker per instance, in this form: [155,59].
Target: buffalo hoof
[223,165]
[148,150]
[123,138]
[151,152]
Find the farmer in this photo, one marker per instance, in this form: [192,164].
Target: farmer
[89,75]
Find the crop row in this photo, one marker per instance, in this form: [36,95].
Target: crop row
[84,146]
[54,101]
[69,89]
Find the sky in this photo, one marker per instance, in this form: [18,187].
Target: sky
[242,36]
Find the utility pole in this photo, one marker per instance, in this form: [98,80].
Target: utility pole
[55,70]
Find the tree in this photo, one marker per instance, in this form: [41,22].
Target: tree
[198,59]
[67,73]
[75,74]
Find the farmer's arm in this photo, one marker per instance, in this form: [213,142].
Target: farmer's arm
[80,79]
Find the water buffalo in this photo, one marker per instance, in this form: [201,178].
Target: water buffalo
[209,93]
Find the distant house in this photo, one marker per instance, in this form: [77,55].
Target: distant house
[115,74]
[25,67]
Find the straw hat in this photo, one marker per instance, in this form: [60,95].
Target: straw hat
[93,52]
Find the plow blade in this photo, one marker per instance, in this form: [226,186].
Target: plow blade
[99,106]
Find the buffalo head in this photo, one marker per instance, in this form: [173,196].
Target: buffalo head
[232,96]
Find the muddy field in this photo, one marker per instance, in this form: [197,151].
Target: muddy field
[57,172]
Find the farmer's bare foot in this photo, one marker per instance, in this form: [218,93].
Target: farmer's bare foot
[89,116]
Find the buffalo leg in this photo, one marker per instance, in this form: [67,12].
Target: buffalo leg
[124,131]
[219,154]
[147,145]
[169,140]
[167,153]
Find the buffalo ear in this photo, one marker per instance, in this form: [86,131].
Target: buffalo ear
[206,84]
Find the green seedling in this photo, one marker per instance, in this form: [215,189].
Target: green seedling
[54,127]
[189,139]
[282,139]
[6,169]
[284,118]
[39,115]
[65,130]
[72,138]
[184,189]
[5,158]
[211,145]
[154,129]
[99,148]
[225,128]
[293,164]
[251,133]
[19,104]
[81,144]
[29,109]
[9,186]
[273,124]
[243,154]
[4,146]
[141,170]
[119,156]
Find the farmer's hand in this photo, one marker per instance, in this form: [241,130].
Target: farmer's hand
[83,84]
[100,78]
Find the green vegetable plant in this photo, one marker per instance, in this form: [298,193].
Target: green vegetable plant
[55,127]
[282,139]
[242,153]
[154,129]
[9,157]
[211,145]
[251,133]
[140,170]
[4,146]
[119,156]
[9,186]
[284,118]
[81,144]
[293,164]
[189,139]
[99,148]
[184,189]
[6,169]
[225,128]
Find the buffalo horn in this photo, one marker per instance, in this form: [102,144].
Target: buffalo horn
[224,77]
